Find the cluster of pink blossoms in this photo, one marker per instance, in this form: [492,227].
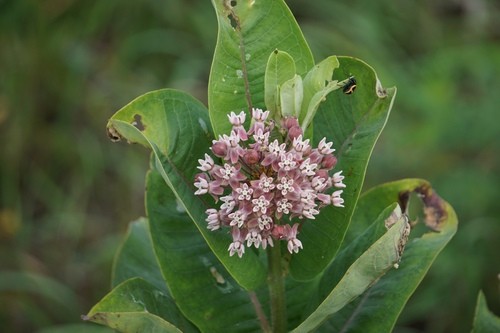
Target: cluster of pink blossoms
[264,185]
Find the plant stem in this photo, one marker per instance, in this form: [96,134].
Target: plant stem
[276,289]
[264,324]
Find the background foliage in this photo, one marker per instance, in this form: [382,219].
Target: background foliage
[67,193]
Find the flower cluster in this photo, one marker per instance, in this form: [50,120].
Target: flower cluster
[264,185]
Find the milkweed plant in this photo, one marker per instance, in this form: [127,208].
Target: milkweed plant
[255,221]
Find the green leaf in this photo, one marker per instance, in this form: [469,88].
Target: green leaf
[355,248]
[317,85]
[484,320]
[248,32]
[280,68]
[378,309]
[136,258]
[202,288]
[291,95]
[366,270]
[134,306]
[175,126]
[354,123]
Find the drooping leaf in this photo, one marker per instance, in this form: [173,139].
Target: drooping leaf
[134,306]
[354,123]
[175,126]
[248,32]
[379,258]
[203,289]
[378,309]
[280,68]
[484,320]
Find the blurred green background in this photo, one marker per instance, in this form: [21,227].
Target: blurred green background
[67,193]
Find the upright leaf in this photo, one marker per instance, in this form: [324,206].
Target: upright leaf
[202,288]
[248,32]
[378,309]
[484,320]
[318,84]
[175,126]
[136,258]
[291,95]
[280,68]
[354,123]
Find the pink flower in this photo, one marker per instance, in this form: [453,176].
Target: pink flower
[337,200]
[259,118]
[207,164]
[291,235]
[213,219]
[337,180]
[244,192]
[253,237]
[237,122]
[237,246]
[265,187]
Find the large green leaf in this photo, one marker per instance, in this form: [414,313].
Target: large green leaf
[378,309]
[134,306]
[203,289]
[136,258]
[484,320]
[366,270]
[248,32]
[354,123]
[175,126]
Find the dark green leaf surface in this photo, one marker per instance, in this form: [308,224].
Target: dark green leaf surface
[484,320]
[134,306]
[354,123]
[203,289]
[378,309]
[175,126]
[136,257]
[248,33]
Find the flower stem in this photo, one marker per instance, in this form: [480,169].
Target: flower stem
[276,289]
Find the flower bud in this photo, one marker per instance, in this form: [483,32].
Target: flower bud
[251,157]
[289,122]
[278,232]
[329,162]
[219,149]
[294,132]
